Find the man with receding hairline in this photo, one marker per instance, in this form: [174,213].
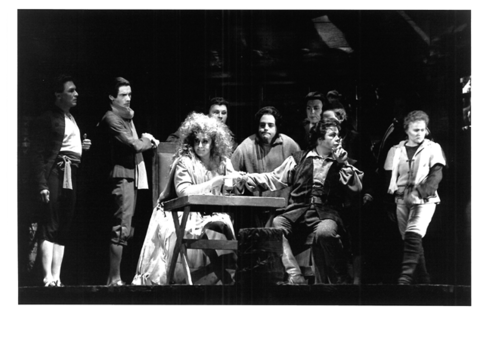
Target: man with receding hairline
[55,154]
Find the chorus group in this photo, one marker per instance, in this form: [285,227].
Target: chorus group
[327,175]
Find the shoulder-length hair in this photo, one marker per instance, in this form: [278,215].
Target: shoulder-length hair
[218,132]
[269,110]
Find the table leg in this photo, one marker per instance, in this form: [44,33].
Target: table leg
[180,232]
[186,269]
[271,216]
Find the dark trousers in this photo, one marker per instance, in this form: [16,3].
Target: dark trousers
[57,215]
[124,196]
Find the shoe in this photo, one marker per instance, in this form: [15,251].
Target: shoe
[117,284]
[50,284]
[294,280]
[344,280]
[58,284]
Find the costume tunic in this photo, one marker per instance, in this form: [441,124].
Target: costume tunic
[128,169]
[55,170]
[253,156]
[310,175]
[413,176]
[160,238]
[415,182]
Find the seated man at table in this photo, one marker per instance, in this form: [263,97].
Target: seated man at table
[264,151]
[321,178]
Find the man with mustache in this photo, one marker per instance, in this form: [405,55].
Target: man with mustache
[264,151]
[320,179]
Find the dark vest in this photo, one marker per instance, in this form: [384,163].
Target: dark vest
[331,193]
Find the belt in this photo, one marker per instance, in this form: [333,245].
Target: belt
[64,163]
[316,200]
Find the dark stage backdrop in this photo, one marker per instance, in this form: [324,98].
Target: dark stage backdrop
[177,60]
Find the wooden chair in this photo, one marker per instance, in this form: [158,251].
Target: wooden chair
[162,161]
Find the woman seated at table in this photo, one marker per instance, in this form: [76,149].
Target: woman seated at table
[200,166]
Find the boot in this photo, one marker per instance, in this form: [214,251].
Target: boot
[319,264]
[336,260]
[295,276]
[423,277]
[412,246]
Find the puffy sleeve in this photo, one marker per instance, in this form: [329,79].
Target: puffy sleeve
[237,159]
[391,165]
[182,176]
[276,180]
[389,160]
[351,177]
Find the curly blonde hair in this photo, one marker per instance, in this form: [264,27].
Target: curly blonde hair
[218,132]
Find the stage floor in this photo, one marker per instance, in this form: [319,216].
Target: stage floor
[353,295]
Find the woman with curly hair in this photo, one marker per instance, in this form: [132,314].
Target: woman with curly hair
[200,166]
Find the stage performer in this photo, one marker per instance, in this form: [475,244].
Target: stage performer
[414,169]
[199,166]
[264,151]
[55,154]
[320,178]
[128,173]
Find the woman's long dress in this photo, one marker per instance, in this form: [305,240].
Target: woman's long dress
[160,238]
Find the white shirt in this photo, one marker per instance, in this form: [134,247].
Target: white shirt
[71,139]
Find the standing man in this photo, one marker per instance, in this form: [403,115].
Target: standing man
[218,109]
[128,173]
[264,151]
[314,103]
[55,154]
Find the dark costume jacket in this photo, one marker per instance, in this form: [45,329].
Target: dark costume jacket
[297,171]
[125,149]
[46,136]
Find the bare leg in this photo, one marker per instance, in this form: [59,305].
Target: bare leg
[57,259]
[116,252]
[46,252]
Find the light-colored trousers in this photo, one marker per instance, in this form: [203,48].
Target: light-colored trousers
[414,218]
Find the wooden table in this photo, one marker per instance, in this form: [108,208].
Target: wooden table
[208,204]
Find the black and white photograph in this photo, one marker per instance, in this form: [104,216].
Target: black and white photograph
[244,157]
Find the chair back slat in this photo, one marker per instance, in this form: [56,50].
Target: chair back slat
[162,159]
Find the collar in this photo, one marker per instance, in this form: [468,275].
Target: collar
[314,154]
[426,142]
[125,113]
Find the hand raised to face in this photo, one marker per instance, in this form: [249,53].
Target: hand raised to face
[340,154]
